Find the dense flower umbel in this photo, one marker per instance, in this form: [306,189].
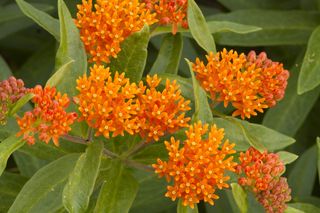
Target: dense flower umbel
[116,105]
[258,169]
[170,12]
[108,104]
[48,119]
[104,27]
[260,172]
[275,197]
[161,112]
[250,83]
[11,90]
[197,168]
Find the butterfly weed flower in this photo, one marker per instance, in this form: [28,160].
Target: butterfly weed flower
[261,173]
[196,168]
[11,90]
[249,83]
[104,25]
[108,103]
[172,12]
[49,119]
[161,112]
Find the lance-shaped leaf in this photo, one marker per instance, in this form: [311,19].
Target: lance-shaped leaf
[133,55]
[240,196]
[71,48]
[169,55]
[20,103]
[118,190]
[287,157]
[318,145]
[304,171]
[186,209]
[43,192]
[63,71]
[5,70]
[7,147]
[309,77]
[305,207]
[202,107]
[77,192]
[199,28]
[245,134]
[43,19]
[10,185]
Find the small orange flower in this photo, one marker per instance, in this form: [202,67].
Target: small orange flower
[108,104]
[161,112]
[251,84]
[104,25]
[198,167]
[48,119]
[170,12]
[11,90]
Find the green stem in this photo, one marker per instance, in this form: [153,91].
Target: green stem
[137,165]
[138,148]
[74,139]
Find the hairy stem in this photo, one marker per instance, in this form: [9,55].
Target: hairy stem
[137,165]
[74,139]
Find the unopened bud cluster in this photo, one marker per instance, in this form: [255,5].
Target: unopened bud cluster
[11,90]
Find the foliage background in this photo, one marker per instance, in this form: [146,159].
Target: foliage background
[29,52]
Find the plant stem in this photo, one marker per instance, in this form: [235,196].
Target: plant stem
[74,139]
[138,147]
[110,154]
[137,165]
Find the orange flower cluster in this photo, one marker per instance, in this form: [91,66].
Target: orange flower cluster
[11,90]
[261,173]
[198,168]
[250,83]
[161,112]
[114,105]
[103,28]
[48,119]
[170,12]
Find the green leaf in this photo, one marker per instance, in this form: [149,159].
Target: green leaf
[12,12]
[199,28]
[280,28]
[318,145]
[304,171]
[227,26]
[20,103]
[7,147]
[305,207]
[169,55]
[287,157]
[240,196]
[292,210]
[186,209]
[309,77]
[266,4]
[28,165]
[44,20]
[5,70]
[57,77]
[118,190]
[245,134]
[133,55]
[290,113]
[214,27]
[71,48]
[202,107]
[77,192]
[10,185]
[43,192]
